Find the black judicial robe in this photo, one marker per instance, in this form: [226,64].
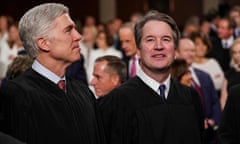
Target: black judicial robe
[229,130]
[36,111]
[135,114]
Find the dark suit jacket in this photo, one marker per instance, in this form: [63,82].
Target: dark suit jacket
[135,114]
[77,71]
[211,101]
[229,130]
[220,54]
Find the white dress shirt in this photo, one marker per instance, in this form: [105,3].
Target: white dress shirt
[42,70]
[153,83]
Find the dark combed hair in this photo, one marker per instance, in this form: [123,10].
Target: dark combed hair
[155,15]
[114,66]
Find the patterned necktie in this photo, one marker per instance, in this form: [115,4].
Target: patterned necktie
[162,92]
[133,67]
[61,84]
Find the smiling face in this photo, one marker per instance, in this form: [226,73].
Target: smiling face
[63,41]
[157,47]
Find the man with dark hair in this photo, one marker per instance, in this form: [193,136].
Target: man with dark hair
[222,43]
[152,108]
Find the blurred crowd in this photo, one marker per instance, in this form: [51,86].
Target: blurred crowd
[207,57]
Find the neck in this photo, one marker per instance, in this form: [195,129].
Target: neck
[159,75]
[56,67]
[200,59]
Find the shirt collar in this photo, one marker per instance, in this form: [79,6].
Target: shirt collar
[153,83]
[229,41]
[42,70]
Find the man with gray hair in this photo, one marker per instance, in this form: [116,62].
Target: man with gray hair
[109,73]
[42,105]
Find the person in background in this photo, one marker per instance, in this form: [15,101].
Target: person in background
[208,65]
[152,107]
[104,43]
[229,131]
[87,44]
[128,45]
[135,17]
[19,65]
[10,49]
[180,72]
[3,28]
[42,105]
[203,84]
[222,43]
[109,73]
[232,76]
[234,13]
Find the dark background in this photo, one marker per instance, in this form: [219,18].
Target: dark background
[180,10]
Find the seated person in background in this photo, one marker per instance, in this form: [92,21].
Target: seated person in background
[233,75]
[109,72]
[20,64]
[179,71]
[209,65]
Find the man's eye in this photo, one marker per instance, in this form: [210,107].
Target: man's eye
[167,39]
[150,40]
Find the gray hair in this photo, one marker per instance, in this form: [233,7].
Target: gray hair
[155,15]
[115,66]
[38,22]
[129,25]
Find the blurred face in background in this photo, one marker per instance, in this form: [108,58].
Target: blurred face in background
[127,40]
[186,79]
[3,23]
[103,81]
[186,50]
[200,47]
[235,15]
[235,51]
[223,30]
[89,33]
[13,33]
[101,40]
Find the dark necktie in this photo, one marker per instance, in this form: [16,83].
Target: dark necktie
[225,45]
[61,84]
[162,92]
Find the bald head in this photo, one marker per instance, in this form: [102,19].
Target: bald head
[186,50]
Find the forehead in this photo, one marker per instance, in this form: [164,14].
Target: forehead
[236,47]
[101,64]
[223,23]
[125,33]
[157,28]
[186,45]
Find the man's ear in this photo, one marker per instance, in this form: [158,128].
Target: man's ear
[43,44]
[116,80]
